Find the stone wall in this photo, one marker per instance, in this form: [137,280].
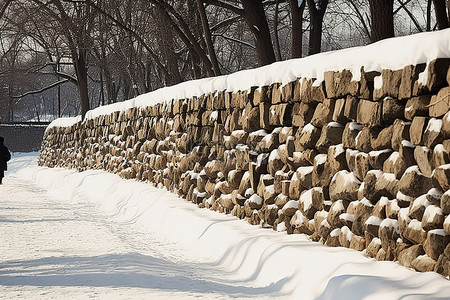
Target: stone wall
[23,137]
[357,164]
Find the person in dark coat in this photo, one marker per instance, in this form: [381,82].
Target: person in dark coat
[5,156]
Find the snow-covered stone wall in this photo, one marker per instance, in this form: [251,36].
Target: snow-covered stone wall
[353,160]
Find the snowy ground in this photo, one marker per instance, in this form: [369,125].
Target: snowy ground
[93,235]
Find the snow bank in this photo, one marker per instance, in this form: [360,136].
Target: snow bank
[290,266]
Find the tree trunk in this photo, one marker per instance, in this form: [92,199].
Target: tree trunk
[441,14]
[382,16]
[315,32]
[297,28]
[255,18]
[208,40]
[82,80]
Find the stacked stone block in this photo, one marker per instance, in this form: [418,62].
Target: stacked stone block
[359,164]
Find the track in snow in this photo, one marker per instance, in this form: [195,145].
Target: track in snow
[52,248]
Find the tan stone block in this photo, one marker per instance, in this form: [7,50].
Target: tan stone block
[417,106]
[437,73]
[440,103]
[369,113]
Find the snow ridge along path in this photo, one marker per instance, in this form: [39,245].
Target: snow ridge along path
[66,234]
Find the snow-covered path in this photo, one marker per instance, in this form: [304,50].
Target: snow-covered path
[66,235]
[52,248]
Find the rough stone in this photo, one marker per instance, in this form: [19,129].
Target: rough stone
[435,243]
[440,103]
[307,137]
[362,165]
[408,255]
[363,211]
[437,71]
[351,107]
[344,186]
[423,156]
[331,135]
[417,106]
[369,113]
[377,158]
[433,133]
[387,185]
[339,111]
[302,113]
[392,109]
[414,183]
[349,135]
[311,201]
[323,113]
[441,177]
[440,156]
[382,141]
[417,128]
[400,132]
[409,76]
[391,82]
[433,218]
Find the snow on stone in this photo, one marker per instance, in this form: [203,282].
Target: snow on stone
[403,214]
[394,205]
[408,144]
[366,202]
[373,220]
[416,225]
[413,168]
[308,128]
[334,124]
[335,232]
[376,241]
[394,157]
[403,197]
[274,155]
[320,159]
[338,150]
[303,171]
[64,122]
[291,204]
[260,132]
[214,115]
[347,232]
[306,198]
[355,126]
[285,130]
[394,54]
[421,201]
[445,167]
[255,199]
[434,125]
[249,192]
[430,213]
[438,232]
[347,217]
[439,147]
[378,82]
[281,227]
[390,223]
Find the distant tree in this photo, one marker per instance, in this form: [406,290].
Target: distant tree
[382,19]
[297,9]
[252,11]
[317,10]
[441,13]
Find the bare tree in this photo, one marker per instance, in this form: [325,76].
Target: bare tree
[382,19]
[317,10]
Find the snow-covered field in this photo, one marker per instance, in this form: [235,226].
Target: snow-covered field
[66,234]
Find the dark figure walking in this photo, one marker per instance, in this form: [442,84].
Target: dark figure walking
[4,157]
